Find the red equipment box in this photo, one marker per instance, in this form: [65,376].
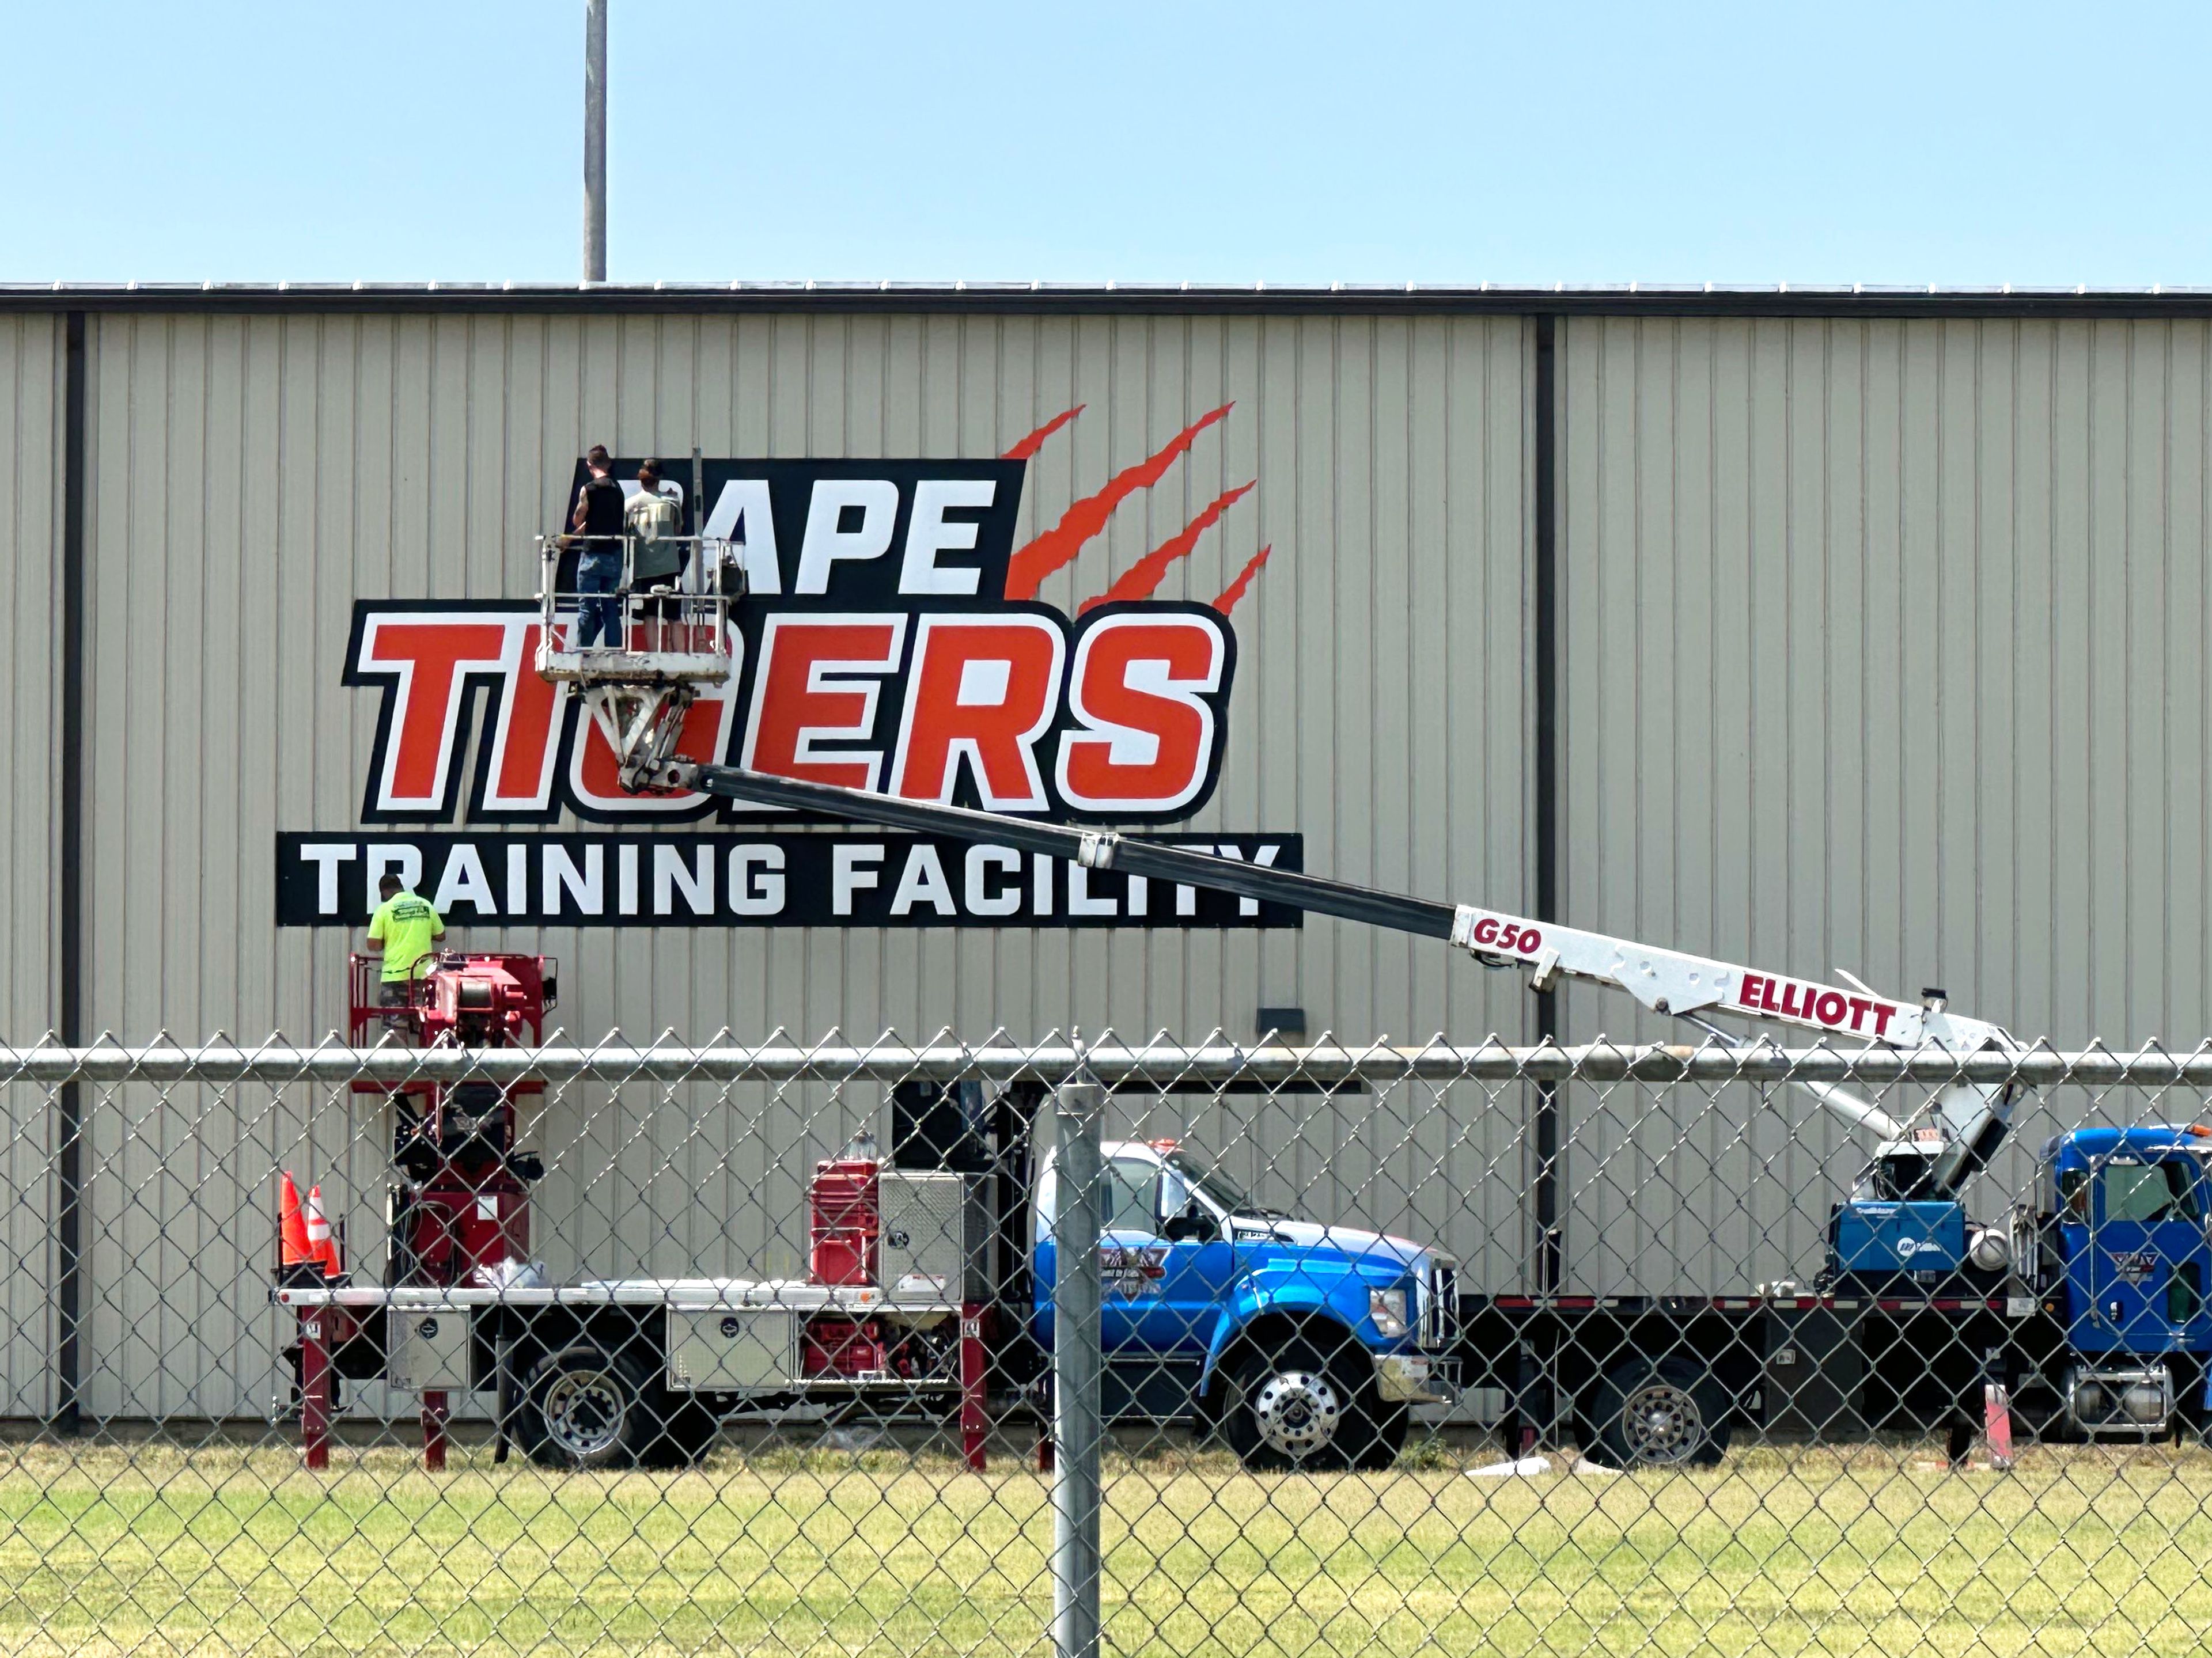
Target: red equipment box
[845,1218]
[841,1347]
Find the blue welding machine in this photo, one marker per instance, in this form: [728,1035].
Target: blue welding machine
[1921,1237]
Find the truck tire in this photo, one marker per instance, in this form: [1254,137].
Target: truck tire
[1295,1409]
[584,1408]
[1656,1413]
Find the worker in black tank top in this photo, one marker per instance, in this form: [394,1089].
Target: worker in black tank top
[599,507]
[598,520]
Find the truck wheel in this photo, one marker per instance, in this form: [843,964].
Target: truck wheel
[1656,1413]
[1294,1409]
[584,1408]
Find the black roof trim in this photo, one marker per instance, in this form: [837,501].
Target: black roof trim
[992,299]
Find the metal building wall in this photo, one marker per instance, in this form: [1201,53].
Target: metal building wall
[1880,647]
[31,368]
[1883,650]
[253,475]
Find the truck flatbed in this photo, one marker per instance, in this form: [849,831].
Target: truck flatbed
[695,1294]
[2009,1306]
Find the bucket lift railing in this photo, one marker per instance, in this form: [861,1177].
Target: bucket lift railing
[660,640]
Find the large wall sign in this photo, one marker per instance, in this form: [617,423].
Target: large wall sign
[894,641]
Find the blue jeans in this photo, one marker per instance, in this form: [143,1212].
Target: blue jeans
[598,574]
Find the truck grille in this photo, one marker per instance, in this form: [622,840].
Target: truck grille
[1439,1323]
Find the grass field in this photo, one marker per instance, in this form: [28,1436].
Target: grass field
[150,1550]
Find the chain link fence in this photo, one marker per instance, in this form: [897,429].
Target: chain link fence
[1155,1348]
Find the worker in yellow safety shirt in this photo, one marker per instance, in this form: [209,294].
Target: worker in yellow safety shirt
[404,931]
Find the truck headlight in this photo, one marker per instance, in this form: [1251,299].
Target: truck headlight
[1387,1308]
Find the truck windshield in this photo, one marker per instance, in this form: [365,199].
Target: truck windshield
[1220,1191]
[2149,1193]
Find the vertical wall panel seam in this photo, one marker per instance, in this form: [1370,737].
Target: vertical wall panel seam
[1863,828]
[1982,690]
[2094,773]
[1710,442]
[2016,977]
[1820,401]
[1944,713]
[250,660]
[1409,345]
[1677,725]
[1786,576]
[2166,758]
[70,1146]
[1551,1243]
[1332,331]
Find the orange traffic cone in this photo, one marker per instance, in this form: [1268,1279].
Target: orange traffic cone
[292,1249]
[319,1231]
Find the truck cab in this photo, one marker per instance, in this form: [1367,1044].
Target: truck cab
[1305,1344]
[2123,1261]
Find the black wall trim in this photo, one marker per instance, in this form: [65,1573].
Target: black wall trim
[1021,299]
[1550,1245]
[69,1195]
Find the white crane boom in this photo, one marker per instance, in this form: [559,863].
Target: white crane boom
[639,698]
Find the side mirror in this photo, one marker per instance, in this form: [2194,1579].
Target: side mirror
[1193,1223]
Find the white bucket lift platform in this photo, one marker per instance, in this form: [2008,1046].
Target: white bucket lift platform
[653,648]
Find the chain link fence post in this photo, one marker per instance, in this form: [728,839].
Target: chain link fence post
[1076,1362]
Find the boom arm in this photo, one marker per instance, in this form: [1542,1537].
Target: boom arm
[1973,1117]
[1088,847]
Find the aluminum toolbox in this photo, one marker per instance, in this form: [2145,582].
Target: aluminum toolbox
[935,1238]
[726,1347]
[428,1349]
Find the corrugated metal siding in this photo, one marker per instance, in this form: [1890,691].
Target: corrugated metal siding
[1884,650]
[31,368]
[1883,647]
[255,475]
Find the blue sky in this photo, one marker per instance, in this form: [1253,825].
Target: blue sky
[1289,142]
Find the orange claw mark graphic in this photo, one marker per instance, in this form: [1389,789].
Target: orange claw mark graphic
[1227,602]
[1141,578]
[1035,441]
[1058,546]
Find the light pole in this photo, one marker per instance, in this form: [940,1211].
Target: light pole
[595,141]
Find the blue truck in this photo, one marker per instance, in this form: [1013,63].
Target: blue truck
[2079,1316]
[2114,1254]
[1301,1344]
